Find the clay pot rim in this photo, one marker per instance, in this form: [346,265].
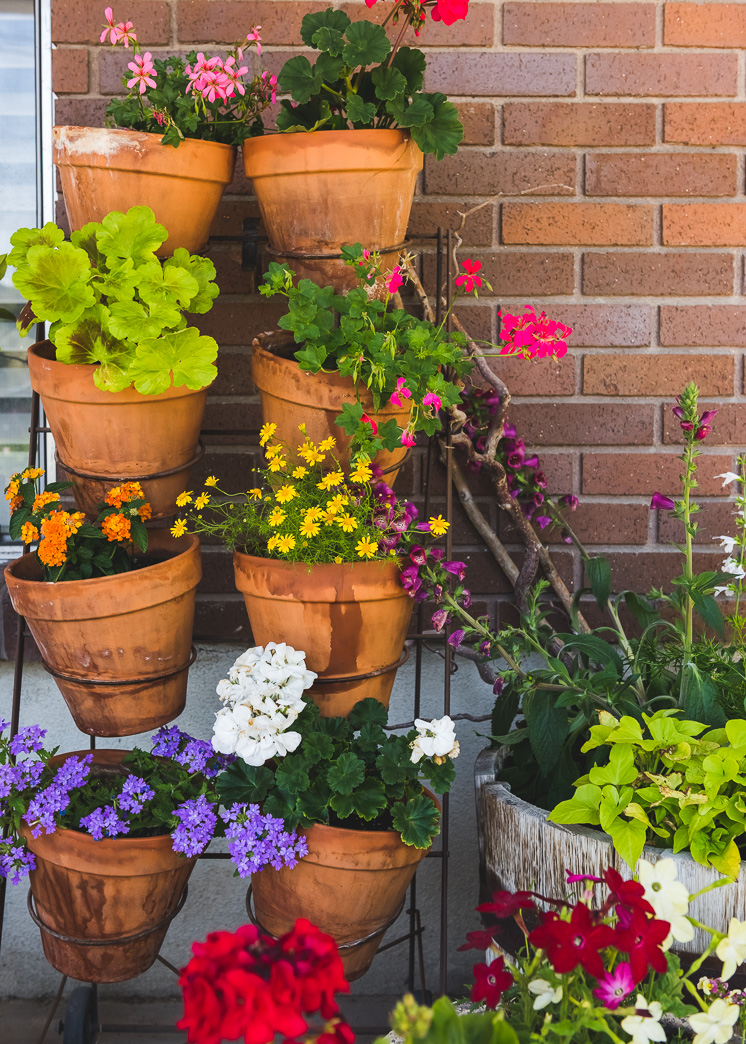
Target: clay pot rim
[331,137]
[90,394]
[326,569]
[134,135]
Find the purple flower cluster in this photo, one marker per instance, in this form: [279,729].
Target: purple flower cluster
[15,862]
[194,755]
[105,822]
[389,515]
[135,793]
[256,841]
[197,822]
[47,804]
[27,740]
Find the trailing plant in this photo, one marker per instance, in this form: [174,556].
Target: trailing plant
[361,80]
[169,790]
[209,98]
[302,511]
[68,546]
[349,772]
[592,972]
[112,303]
[667,783]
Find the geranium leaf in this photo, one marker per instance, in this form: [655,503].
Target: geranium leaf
[241,783]
[203,270]
[389,82]
[308,117]
[414,114]
[367,44]
[184,353]
[391,762]
[329,19]
[87,341]
[367,711]
[359,111]
[136,235]
[300,79]
[441,135]
[86,239]
[416,820]
[331,43]
[55,280]
[25,238]
[291,774]
[346,773]
[129,319]
[158,285]
[317,748]
[411,64]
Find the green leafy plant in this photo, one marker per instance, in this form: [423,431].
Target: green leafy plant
[349,772]
[667,783]
[5,314]
[359,80]
[112,303]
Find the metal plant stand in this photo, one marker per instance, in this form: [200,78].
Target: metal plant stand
[81,1021]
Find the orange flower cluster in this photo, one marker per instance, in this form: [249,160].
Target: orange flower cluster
[56,530]
[119,495]
[42,499]
[116,528]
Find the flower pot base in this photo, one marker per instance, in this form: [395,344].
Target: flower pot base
[335,697]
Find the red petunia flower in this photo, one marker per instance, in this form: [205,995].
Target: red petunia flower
[573,942]
[507,904]
[642,939]
[630,894]
[479,940]
[491,982]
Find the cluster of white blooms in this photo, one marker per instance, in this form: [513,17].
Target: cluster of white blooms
[437,739]
[263,697]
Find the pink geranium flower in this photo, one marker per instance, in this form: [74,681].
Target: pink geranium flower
[471,279]
[365,419]
[254,36]
[125,34]
[142,67]
[402,392]
[395,281]
[110,29]
[450,11]
[431,399]
[530,335]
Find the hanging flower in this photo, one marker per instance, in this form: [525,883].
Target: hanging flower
[110,29]
[661,503]
[402,392]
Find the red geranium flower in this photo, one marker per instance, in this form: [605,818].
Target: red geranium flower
[470,280]
[573,942]
[642,939]
[491,982]
[507,904]
[450,11]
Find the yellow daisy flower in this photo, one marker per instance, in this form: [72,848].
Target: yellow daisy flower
[278,463]
[202,501]
[439,526]
[328,443]
[347,523]
[255,493]
[286,493]
[362,472]
[272,451]
[338,559]
[313,514]
[309,528]
[331,480]
[310,454]
[211,480]
[285,543]
[183,499]
[272,542]
[300,472]
[266,432]
[179,527]
[366,548]
[337,503]
[277,517]
[328,518]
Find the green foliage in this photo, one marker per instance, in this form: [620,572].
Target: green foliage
[443,1024]
[346,772]
[116,305]
[367,87]
[670,784]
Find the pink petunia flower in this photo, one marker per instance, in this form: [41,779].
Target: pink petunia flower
[142,67]
[401,392]
[471,279]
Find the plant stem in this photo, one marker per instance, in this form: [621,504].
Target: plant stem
[688,458]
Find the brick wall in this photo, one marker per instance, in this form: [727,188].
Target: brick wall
[606,140]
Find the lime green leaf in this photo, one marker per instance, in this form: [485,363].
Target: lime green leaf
[389,82]
[55,281]
[582,808]
[329,19]
[411,64]
[300,79]
[612,805]
[416,820]
[130,320]
[359,111]
[185,354]
[157,285]
[136,235]
[628,836]
[87,239]
[727,862]
[25,238]
[87,341]
[442,134]
[201,269]
[346,773]
[367,44]
[620,770]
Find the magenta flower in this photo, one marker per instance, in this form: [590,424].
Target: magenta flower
[661,503]
[448,11]
[529,336]
[614,986]
[401,392]
[395,281]
[543,521]
[458,569]
[455,639]
[471,279]
[439,619]
[269,84]
[111,29]
[431,399]
[418,555]
[365,419]
[574,878]
[407,438]
[570,500]
[142,67]
[254,36]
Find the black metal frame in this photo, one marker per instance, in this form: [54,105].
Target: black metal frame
[250,240]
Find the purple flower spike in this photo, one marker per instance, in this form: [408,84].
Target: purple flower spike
[418,554]
[661,503]
[543,521]
[457,568]
[455,639]
[440,618]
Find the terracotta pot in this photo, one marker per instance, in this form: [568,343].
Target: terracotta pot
[348,619]
[119,647]
[322,190]
[351,884]
[100,890]
[104,438]
[103,170]
[291,396]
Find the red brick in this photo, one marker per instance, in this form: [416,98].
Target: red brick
[234,374]
[222,617]
[664,275]
[717,326]
[705,25]
[478,30]
[578,224]
[579,123]
[661,75]
[225,21]
[550,377]
[602,325]
[713,520]
[667,374]
[480,122]
[233,320]
[238,416]
[580,423]
[704,224]
[660,174]
[705,123]
[642,571]
[81,21]
[559,468]
[642,474]
[728,428]
[70,70]
[507,172]
[478,319]
[230,216]
[532,73]
[579,24]
[428,215]
[594,522]
[80,112]
[530,274]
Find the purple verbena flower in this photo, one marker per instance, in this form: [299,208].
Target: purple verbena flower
[197,821]
[134,795]
[27,740]
[166,742]
[256,841]
[15,862]
[104,822]
[73,772]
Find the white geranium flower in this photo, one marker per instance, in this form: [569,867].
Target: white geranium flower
[437,739]
[544,993]
[728,477]
[716,1025]
[668,897]
[644,1028]
[732,949]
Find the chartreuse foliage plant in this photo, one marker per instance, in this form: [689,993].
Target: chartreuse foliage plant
[112,303]
[349,772]
[360,81]
[668,783]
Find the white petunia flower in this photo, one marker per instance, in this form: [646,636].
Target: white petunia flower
[668,897]
[728,477]
[544,993]
[644,1028]
[716,1025]
[732,949]
[437,739]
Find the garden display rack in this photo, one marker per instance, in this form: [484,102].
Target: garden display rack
[81,1022]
